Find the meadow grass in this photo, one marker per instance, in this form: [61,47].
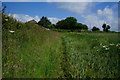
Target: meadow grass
[91,55]
[31,52]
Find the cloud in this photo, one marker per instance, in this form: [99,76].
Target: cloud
[24,18]
[54,20]
[36,18]
[75,7]
[93,20]
[102,16]
[84,10]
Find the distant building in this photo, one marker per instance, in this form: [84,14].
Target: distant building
[32,21]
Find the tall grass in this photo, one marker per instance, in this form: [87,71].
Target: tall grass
[92,55]
[30,52]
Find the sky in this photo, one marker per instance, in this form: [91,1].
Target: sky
[89,13]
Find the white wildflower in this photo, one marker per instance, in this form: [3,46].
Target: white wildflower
[47,29]
[111,44]
[107,48]
[118,44]
[100,43]
[6,19]
[104,46]
[12,31]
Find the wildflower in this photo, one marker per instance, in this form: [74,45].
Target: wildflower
[104,46]
[12,31]
[111,44]
[100,43]
[6,19]
[47,29]
[118,45]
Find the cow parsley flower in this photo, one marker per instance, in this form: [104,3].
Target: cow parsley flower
[6,19]
[111,44]
[100,43]
[104,46]
[12,31]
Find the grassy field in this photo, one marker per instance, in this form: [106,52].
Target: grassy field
[31,53]
[35,52]
[92,55]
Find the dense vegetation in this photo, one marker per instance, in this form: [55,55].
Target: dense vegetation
[32,51]
[70,23]
[92,55]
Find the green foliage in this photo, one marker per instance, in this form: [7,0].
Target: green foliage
[70,23]
[95,29]
[61,24]
[44,22]
[105,27]
[91,55]
[78,25]
[85,27]
[30,51]
[33,52]
[51,26]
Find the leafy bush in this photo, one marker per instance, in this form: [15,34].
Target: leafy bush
[95,29]
[44,22]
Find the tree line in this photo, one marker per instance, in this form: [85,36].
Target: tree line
[69,23]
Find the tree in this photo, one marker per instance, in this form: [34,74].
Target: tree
[107,27]
[78,26]
[61,24]
[68,23]
[51,26]
[95,29]
[104,27]
[71,21]
[44,22]
[85,27]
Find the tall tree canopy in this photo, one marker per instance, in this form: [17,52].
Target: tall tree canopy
[70,23]
[44,22]
[105,27]
[95,29]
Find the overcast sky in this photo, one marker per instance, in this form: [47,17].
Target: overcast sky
[89,13]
